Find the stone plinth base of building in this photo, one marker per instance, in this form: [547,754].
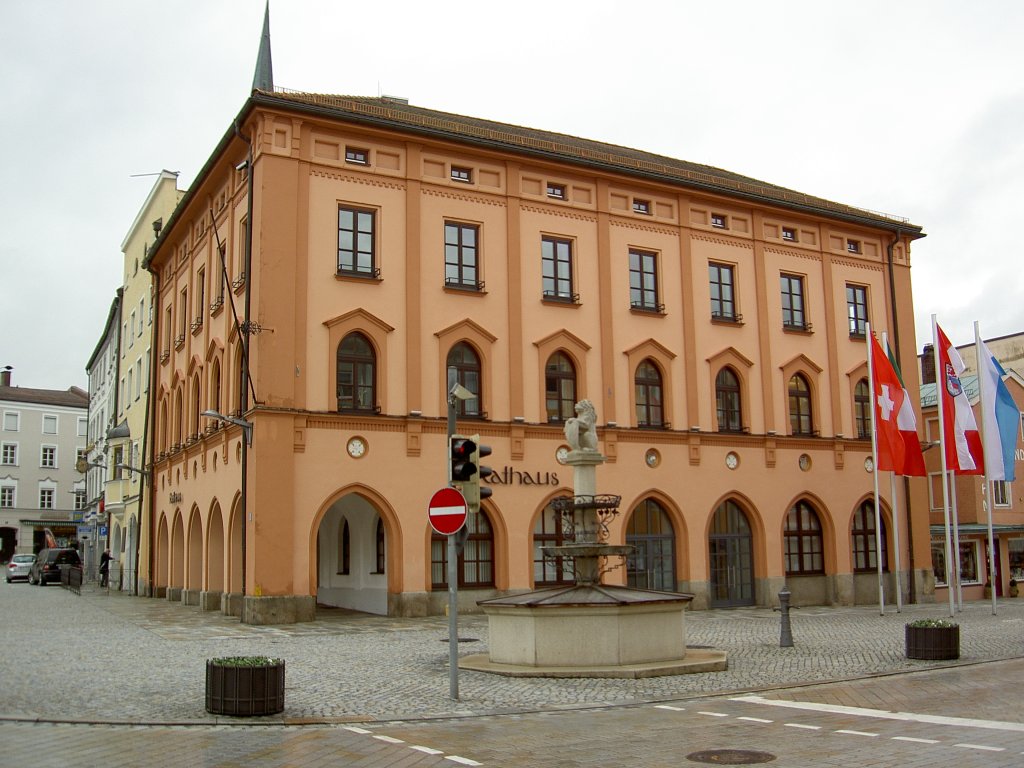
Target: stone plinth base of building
[409,605]
[173,594]
[190,596]
[591,631]
[231,604]
[278,609]
[209,601]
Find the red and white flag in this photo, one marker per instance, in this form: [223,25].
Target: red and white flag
[961,439]
[899,449]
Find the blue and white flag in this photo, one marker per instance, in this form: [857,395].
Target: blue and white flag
[1000,416]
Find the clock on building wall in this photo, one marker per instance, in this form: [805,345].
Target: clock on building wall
[732,460]
[356,447]
[562,454]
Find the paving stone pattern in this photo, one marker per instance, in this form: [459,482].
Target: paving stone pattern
[110,658]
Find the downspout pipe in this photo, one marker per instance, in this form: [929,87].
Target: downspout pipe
[150,407]
[890,250]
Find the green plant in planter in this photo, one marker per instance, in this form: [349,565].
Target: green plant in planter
[932,639]
[931,623]
[246,661]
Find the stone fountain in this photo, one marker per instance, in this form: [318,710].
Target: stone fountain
[589,629]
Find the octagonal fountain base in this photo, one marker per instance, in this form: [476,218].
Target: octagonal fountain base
[595,630]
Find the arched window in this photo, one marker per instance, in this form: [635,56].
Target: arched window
[344,549]
[194,408]
[800,417]
[214,396]
[549,531]
[179,417]
[862,409]
[476,561]
[381,561]
[804,547]
[560,387]
[464,368]
[864,540]
[731,557]
[649,408]
[727,394]
[357,374]
[652,564]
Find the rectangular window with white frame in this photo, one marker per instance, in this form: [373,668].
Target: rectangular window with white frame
[12,421]
[8,496]
[48,456]
[49,424]
[935,491]
[47,498]
[970,562]
[83,426]
[79,498]
[130,333]
[1001,495]
[9,454]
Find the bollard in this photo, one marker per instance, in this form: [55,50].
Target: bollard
[786,637]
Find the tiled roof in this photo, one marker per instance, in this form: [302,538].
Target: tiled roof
[530,141]
[71,398]
[929,393]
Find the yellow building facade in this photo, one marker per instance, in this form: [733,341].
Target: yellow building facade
[716,323]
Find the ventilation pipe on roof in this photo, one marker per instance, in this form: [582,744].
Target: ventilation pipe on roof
[5,376]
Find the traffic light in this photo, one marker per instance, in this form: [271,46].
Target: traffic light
[464,455]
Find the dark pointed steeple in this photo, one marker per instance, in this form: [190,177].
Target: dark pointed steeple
[263,79]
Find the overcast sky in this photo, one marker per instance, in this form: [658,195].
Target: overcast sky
[910,108]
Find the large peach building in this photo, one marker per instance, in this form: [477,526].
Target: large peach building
[358,255]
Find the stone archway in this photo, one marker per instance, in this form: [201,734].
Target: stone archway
[352,551]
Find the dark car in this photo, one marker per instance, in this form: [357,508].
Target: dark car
[49,564]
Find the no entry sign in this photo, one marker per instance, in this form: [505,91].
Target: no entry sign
[447,511]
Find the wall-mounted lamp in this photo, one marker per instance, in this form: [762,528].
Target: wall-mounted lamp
[245,425]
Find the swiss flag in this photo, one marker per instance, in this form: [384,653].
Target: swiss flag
[899,449]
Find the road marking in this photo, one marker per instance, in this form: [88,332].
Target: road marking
[428,750]
[801,725]
[963,722]
[713,714]
[461,760]
[388,739]
[857,733]
[981,746]
[755,719]
[354,729]
[668,706]
[915,740]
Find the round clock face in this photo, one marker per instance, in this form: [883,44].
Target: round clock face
[562,454]
[356,447]
[732,460]
[869,464]
[652,458]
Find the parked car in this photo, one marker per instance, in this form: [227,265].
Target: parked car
[19,567]
[50,562]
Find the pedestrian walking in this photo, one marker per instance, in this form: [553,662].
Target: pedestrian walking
[105,559]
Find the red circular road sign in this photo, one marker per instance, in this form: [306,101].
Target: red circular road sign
[447,511]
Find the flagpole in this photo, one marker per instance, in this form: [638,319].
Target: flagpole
[956,543]
[939,377]
[874,458]
[894,508]
[987,500]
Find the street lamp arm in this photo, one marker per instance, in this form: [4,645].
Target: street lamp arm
[245,425]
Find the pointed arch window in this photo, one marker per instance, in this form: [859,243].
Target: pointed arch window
[560,388]
[800,416]
[650,533]
[357,374]
[864,541]
[475,561]
[803,541]
[650,410]
[727,396]
[552,530]
[862,409]
[464,368]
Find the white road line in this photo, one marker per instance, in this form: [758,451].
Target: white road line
[963,722]
[461,760]
[428,750]
[801,725]
[755,719]
[713,714]
[354,729]
[915,740]
[667,706]
[388,739]
[981,746]
[857,733]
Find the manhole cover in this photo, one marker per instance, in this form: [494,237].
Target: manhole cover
[730,757]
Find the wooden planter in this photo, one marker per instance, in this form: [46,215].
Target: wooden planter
[933,642]
[244,691]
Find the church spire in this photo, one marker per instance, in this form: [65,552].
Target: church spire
[263,79]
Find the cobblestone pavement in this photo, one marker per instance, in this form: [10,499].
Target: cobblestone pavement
[115,659]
